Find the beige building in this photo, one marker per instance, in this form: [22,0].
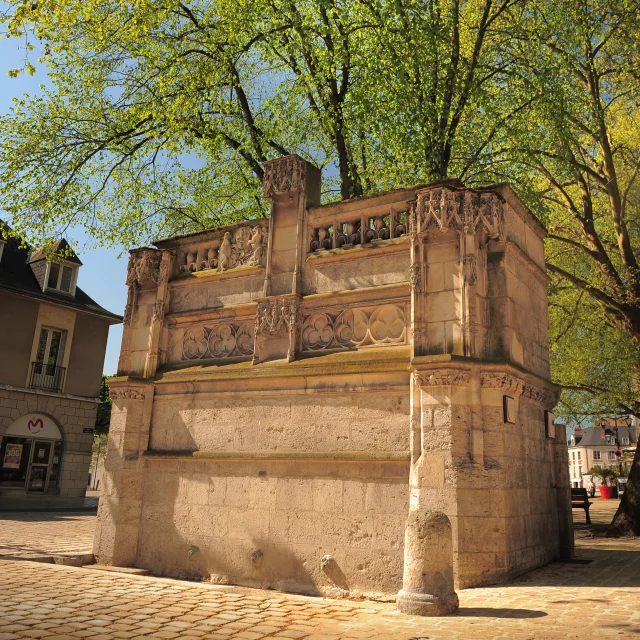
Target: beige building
[612,444]
[53,338]
[303,401]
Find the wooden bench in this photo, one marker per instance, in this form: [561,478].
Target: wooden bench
[580,500]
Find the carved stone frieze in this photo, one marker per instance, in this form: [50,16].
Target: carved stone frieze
[415,276]
[465,211]
[511,384]
[128,310]
[126,394]
[277,315]
[356,327]
[539,395]
[504,381]
[158,311]
[242,246]
[442,378]
[221,340]
[144,265]
[284,174]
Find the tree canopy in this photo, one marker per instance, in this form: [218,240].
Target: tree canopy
[161,113]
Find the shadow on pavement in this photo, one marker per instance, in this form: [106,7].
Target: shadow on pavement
[487,612]
[609,568]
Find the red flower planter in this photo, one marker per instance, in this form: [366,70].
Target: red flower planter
[607,493]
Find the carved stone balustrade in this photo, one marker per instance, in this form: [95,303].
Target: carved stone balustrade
[359,231]
[240,245]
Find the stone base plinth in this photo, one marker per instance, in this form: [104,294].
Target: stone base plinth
[425,604]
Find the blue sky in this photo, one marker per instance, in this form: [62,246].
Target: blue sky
[103,274]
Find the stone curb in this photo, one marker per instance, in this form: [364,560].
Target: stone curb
[70,560]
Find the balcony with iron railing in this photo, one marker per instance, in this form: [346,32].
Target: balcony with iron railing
[47,377]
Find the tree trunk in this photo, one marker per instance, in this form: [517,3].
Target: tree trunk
[626,522]
[350,185]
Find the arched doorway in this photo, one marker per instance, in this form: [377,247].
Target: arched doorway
[31,454]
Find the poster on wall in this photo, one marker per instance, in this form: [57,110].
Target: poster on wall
[12,456]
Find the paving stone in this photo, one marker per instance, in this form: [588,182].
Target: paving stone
[558,602]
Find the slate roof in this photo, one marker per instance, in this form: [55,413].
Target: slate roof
[16,275]
[592,437]
[59,246]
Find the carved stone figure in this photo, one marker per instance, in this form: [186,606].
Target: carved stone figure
[244,246]
[275,315]
[144,265]
[241,245]
[469,269]
[225,253]
[257,246]
[415,277]
[158,311]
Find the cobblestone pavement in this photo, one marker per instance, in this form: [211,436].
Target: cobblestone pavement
[35,534]
[596,600]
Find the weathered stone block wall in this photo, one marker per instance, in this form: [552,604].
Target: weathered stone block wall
[295,512]
[443,313]
[196,296]
[281,421]
[507,520]
[494,480]
[72,416]
[518,304]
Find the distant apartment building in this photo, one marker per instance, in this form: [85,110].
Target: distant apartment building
[53,338]
[612,444]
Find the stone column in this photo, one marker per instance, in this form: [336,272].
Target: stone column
[147,277]
[563,493]
[157,316]
[448,291]
[116,537]
[292,184]
[427,585]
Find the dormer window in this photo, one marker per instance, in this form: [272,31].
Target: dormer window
[62,277]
